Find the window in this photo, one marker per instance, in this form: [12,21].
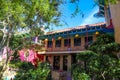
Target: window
[67,42]
[56,63]
[47,59]
[88,28]
[65,62]
[58,43]
[77,41]
[89,40]
[84,29]
[93,28]
[49,44]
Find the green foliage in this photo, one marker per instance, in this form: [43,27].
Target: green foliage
[96,66]
[105,45]
[26,71]
[40,73]
[101,62]
[86,55]
[80,76]
[106,2]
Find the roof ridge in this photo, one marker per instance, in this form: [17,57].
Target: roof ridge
[77,27]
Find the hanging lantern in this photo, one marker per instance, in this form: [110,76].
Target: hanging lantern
[59,38]
[97,33]
[76,35]
[46,39]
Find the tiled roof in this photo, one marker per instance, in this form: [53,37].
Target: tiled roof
[78,27]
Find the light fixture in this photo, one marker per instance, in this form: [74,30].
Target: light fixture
[59,38]
[76,35]
[46,39]
[97,33]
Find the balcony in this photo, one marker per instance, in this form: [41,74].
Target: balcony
[75,48]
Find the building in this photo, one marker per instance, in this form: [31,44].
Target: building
[62,46]
[111,13]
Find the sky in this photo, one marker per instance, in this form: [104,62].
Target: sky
[86,7]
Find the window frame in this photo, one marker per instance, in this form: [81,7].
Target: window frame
[89,41]
[77,41]
[67,42]
[50,44]
[58,44]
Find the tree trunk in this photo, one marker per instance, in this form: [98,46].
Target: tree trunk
[8,56]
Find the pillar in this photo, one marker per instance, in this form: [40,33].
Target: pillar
[46,44]
[44,58]
[72,42]
[94,38]
[61,62]
[50,58]
[62,44]
[82,41]
[53,44]
[69,62]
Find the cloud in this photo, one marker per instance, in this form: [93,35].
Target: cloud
[90,19]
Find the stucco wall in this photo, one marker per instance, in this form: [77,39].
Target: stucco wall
[115,14]
[72,47]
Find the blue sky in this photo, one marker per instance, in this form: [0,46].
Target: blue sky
[88,9]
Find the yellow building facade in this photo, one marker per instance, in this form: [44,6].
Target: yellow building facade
[62,46]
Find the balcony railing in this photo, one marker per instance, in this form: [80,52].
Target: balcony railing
[75,48]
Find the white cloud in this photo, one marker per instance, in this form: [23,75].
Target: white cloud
[90,19]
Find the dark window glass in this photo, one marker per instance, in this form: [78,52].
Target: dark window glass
[84,29]
[77,41]
[93,28]
[58,43]
[74,60]
[98,27]
[88,39]
[67,42]
[88,28]
[49,44]
[65,61]
[47,59]
[56,63]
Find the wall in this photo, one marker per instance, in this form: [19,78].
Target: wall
[115,14]
[72,48]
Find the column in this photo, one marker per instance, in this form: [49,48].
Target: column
[62,44]
[94,38]
[50,58]
[53,44]
[82,41]
[46,44]
[69,62]
[61,62]
[72,42]
[44,58]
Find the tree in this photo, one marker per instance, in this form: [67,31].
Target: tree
[101,62]
[25,15]
[105,45]
[106,2]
